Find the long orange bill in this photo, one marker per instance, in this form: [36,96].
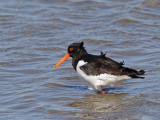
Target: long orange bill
[62,60]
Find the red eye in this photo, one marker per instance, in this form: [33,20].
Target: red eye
[70,49]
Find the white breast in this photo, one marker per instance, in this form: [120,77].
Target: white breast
[96,81]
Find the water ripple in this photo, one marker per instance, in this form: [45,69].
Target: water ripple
[35,36]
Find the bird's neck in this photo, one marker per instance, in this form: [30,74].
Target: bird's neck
[77,57]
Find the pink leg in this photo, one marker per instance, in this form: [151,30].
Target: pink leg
[102,92]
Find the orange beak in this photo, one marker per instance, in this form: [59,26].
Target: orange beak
[62,60]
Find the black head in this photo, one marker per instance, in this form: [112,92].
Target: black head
[75,49]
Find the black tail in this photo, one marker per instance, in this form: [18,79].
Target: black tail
[141,72]
[132,73]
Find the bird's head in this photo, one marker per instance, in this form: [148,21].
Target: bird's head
[75,49]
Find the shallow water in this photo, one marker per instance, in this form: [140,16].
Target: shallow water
[35,36]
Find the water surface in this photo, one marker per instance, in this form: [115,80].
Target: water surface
[35,36]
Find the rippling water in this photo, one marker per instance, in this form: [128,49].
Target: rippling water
[34,35]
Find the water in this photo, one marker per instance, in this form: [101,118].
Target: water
[35,36]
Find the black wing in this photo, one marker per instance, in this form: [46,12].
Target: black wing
[97,65]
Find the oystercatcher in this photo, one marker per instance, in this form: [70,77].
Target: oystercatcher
[98,70]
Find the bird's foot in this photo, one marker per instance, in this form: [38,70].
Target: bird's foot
[101,92]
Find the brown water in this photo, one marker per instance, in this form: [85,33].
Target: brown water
[34,36]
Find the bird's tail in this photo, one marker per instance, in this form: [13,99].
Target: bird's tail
[141,72]
[132,73]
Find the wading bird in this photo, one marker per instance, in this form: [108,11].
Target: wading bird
[98,70]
